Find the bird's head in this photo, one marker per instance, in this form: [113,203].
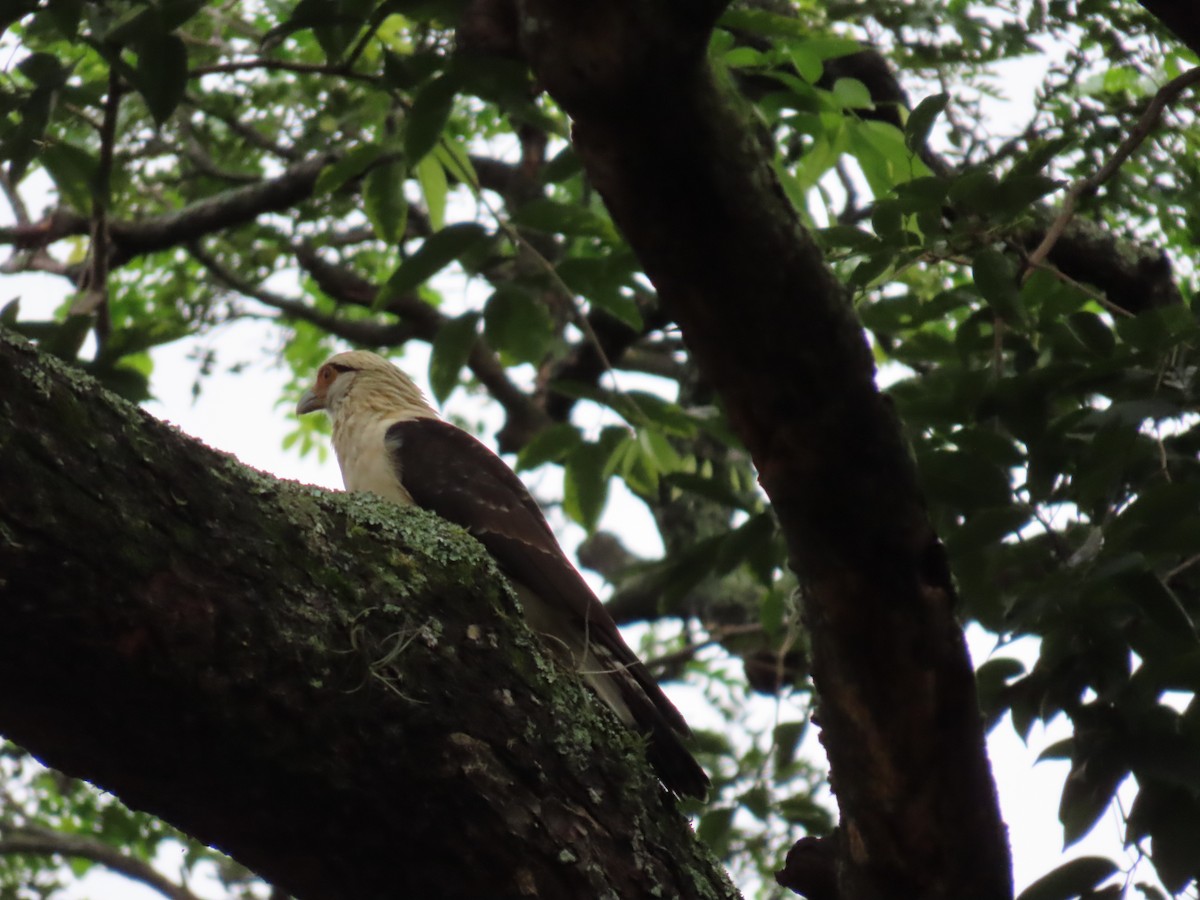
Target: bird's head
[371,380]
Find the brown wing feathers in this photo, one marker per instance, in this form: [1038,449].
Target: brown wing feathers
[449,472]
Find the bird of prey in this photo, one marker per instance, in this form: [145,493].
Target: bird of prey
[391,442]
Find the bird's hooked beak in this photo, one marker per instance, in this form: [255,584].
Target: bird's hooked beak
[310,402]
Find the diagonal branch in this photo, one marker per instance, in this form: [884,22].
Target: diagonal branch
[36,841]
[225,210]
[1086,186]
[340,693]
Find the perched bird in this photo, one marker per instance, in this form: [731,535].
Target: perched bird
[390,441]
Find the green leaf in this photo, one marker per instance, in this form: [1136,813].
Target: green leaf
[804,811]
[384,202]
[760,21]
[161,74]
[428,116]
[585,478]
[880,151]
[457,164]
[975,191]
[997,282]
[660,451]
[920,121]
[437,252]
[1088,792]
[1093,332]
[44,70]
[431,176]
[567,219]
[707,487]
[1158,330]
[177,12]
[517,324]
[807,63]
[552,444]
[991,683]
[604,282]
[850,93]
[1041,155]
[351,165]
[716,829]
[787,737]
[451,348]
[1071,879]
[73,171]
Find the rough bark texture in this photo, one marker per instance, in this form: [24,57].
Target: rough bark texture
[335,691]
[687,180]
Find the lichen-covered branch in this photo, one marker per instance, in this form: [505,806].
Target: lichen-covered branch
[336,692]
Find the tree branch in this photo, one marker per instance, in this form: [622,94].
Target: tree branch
[1086,186]
[683,173]
[225,210]
[338,692]
[36,841]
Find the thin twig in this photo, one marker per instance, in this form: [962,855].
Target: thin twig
[1091,293]
[1140,131]
[20,211]
[281,65]
[94,293]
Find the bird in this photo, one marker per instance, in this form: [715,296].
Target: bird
[391,442]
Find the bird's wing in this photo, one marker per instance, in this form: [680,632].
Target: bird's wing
[452,474]
[449,472]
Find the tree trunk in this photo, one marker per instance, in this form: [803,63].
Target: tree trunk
[685,175]
[337,692]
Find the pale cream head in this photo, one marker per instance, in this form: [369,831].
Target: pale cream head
[374,383]
[365,395]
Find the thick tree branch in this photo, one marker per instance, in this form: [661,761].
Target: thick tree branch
[685,177]
[337,692]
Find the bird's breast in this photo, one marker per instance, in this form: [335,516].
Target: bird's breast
[365,463]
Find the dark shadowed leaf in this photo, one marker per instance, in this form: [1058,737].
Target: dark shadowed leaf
[585,484]
[383,200]
[1071,879]
[996,279]
[352,164]
[161,74]
[438,251]
[517,324]
[551,444]
[428,116]
[73,171]
[451,348]
[920,120]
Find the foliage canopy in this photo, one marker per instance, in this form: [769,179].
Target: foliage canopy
[333,168]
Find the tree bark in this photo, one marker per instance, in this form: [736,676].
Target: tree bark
[337,692]
[686,177]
